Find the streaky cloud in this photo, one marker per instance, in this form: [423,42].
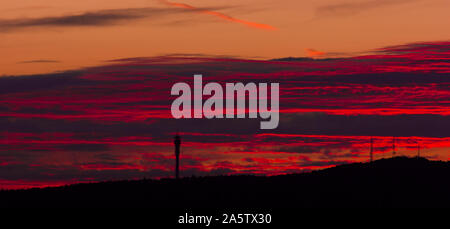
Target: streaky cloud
[221,16]
[107,17]
[314,53]
[352,8]
[40,61]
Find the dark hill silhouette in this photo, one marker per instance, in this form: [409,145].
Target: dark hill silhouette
[394,182]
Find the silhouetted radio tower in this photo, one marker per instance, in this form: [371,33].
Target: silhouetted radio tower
[371,149]
[393,146]
[418,149]
[177,142]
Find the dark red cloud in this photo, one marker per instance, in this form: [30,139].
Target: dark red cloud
[114,121]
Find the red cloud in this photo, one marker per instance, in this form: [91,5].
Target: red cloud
[314,53]
[221,16]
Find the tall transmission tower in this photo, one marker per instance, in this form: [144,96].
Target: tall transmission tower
[371,149]
[393,146]
[418,149]
[177,143]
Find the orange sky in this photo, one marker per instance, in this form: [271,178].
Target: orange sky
[42,36]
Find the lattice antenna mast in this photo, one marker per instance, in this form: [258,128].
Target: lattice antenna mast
[393,146]
[371,149]
[177,143]
[418,149]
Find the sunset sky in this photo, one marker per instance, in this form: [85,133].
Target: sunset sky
[85,85]
[43,36]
